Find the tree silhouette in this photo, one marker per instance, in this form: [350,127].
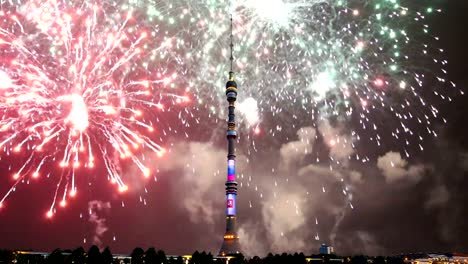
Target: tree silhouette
[77,256]
[161,257]
[94,255]
[202,258]
[236,259]
[300,258]
[395,260]
[151,256]
[272,259]
[359,260]
[178,260]
[326,257]
[26,259]
[195,258]
[56,257]
[220,261]
[106,256]
[255,260]
[137,255]
[6,256]
[380,260]
[206,258]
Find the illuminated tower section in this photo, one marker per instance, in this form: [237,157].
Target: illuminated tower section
[231,240]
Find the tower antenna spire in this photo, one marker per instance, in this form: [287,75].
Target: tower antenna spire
[231,45]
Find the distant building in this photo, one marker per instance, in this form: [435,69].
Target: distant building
[429,258]
[459,258]
[326,249]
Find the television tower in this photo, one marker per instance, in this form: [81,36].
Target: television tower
[231,240]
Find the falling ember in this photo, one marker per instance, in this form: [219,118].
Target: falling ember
[49,214]
[364,103]
[161,153]
[123,188]
[360,45]
[146,172]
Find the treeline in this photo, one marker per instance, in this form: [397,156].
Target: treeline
[153,256]
[94,256]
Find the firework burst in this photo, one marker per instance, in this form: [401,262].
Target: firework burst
[75,91]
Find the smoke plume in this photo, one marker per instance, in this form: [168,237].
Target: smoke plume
[96,209]
[395,169]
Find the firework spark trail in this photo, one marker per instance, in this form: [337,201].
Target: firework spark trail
[74,81]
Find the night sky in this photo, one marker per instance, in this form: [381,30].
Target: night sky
[418,205]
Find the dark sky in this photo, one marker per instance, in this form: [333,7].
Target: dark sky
[425,211]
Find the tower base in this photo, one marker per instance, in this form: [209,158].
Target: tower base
[230,246]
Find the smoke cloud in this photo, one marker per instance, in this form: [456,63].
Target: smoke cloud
[293,153]
[96,209]
[464,163]
[355,177]
[200,165]
[395,169]
[438,197]
[340,144]
[250,235]
[284,218]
